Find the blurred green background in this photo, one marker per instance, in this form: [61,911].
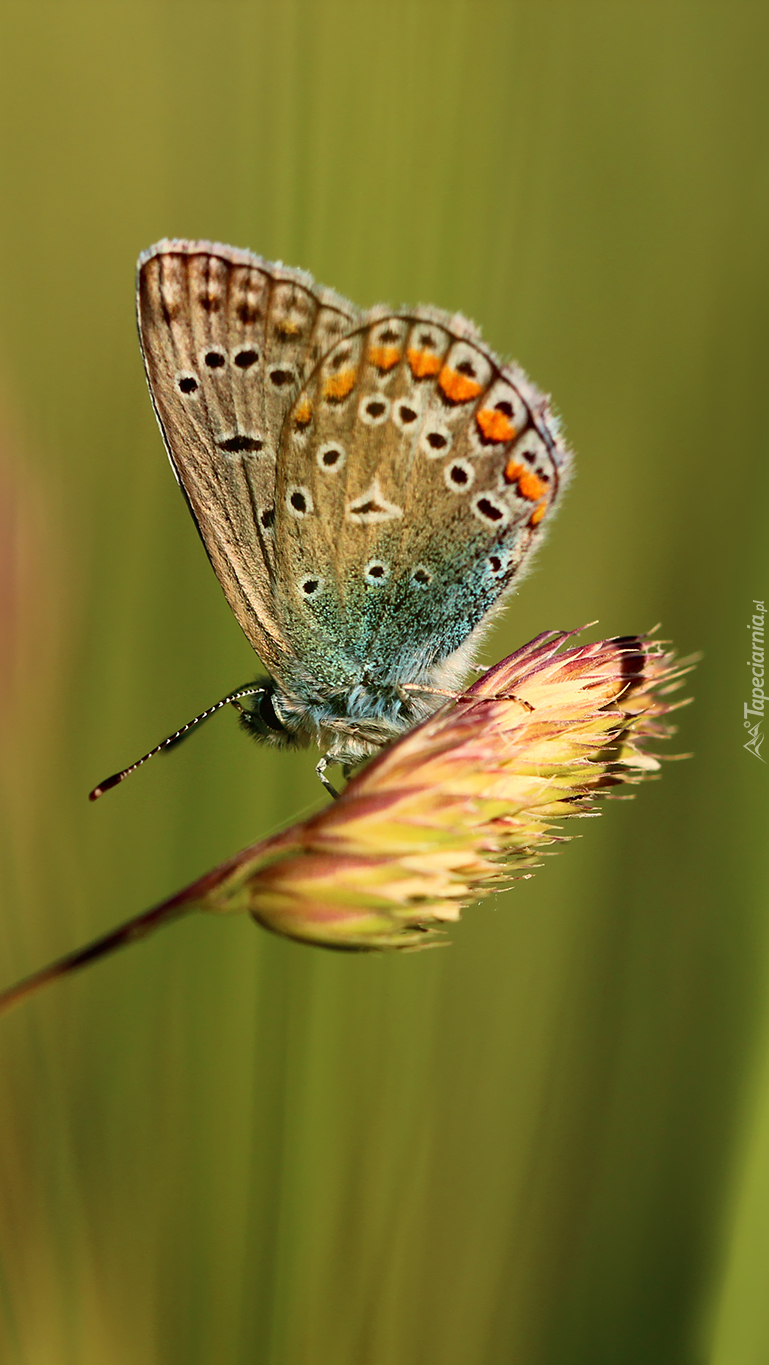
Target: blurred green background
[548,1144]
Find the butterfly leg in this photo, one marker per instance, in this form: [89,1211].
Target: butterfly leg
[320,769]
[470,697]
[404,688]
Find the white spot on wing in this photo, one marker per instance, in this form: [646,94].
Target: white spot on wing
[490,509]
[374,409]
[421,576]
[330,457]
[376,572]
[372,506]
[406,412]
[299,500]
[310,586]
[435,440]
[459,475]
[469,361]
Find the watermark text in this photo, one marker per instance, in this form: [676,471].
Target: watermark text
[753,711]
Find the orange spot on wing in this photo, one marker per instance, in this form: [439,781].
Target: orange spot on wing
[384,357]
[531,486]
[337,386]
[458,387]
[513,471]
[287,327]
[423,363]
[303,413]
[495,425]
[537,514]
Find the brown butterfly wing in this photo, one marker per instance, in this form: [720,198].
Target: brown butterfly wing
[415,477]
[228,339]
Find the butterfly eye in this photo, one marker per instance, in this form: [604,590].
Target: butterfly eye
[459,476]
[187,383]
[330,457]
[376,572]
[299,501]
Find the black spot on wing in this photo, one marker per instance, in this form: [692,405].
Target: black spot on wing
[236,445]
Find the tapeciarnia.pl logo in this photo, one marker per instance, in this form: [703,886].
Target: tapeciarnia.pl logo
[755,708]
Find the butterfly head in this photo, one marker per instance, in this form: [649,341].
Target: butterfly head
[264,720]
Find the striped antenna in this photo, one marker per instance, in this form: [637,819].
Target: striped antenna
[231,699]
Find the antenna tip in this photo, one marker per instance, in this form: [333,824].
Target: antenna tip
[104,786]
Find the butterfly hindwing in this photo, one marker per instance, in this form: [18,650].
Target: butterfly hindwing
[228,339]
[415,473]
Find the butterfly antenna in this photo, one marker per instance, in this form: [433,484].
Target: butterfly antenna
[231,699]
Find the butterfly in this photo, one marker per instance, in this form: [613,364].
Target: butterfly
[367,485]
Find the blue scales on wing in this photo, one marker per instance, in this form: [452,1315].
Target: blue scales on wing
[415,476]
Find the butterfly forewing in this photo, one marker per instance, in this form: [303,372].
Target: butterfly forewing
[228,339]
[415,474]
